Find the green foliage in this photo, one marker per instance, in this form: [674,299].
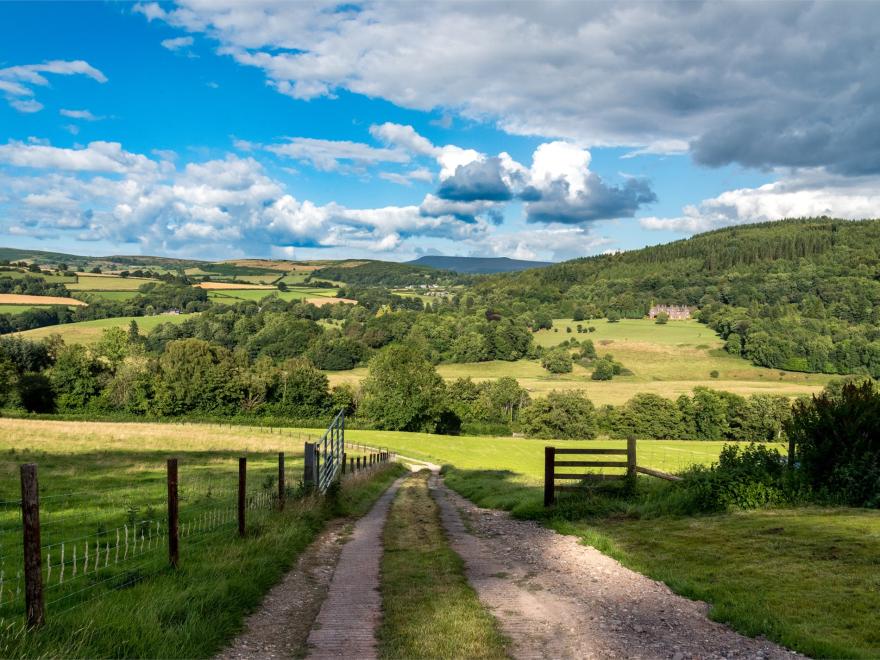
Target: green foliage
[557,361]
[662,318]
[403,391]
[837,443]
[648,416]
[603,369]
[195,375]
[77,378]
[560,415]
[744,478]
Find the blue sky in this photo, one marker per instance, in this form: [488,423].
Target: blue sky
[229,129]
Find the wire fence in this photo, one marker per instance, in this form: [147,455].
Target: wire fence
[92,541]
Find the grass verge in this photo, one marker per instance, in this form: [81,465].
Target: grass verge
[194,611]
[805,577]
[430,610]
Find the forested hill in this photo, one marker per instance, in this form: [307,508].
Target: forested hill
[795,294]
[477,265]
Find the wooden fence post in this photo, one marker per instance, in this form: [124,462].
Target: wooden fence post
[173,514]
[282,491]
[343,463]
[242,493]
[33,558]
[631,458]
[549,476]
[309,467]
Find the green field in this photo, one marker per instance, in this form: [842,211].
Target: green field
[18,309]
[107,283]
[89,332]
[50,278]
[113,295]
[102,496]
[233,296]
[668,360]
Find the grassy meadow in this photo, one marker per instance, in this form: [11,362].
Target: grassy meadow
[90,332]
[108,586]
[18,309]
[107,283]
[668,360]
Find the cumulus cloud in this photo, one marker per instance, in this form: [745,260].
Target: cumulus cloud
[103,192]
[810,193]
[558,187]
[17,82]
[599,74]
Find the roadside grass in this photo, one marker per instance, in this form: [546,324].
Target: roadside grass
[142,608]
[90,332]
[805,577]
[430,610]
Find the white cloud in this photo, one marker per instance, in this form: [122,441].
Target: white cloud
[96,157]
[328,154]
[404,137]
[84,115]
[106,193]
[177,43]
[406,178]
[17,82]
[808,194]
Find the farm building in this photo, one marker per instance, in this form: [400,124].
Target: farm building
[675,312]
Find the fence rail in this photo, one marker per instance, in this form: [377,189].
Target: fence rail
[551,475]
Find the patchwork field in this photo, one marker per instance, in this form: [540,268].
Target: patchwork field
[233,296]
[89,282]
[222,286]
[20,299]
[668,360]
[18,309]
[89,332]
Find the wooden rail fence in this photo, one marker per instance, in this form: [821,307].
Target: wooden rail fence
[551,475]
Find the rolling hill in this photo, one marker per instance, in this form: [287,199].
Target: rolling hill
[477,265]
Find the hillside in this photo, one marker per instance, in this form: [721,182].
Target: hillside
[799,294]
[477,265]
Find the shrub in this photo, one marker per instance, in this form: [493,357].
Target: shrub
[837,443]
[603,370]
[714,373]
[561,415]
[557,361]
[745,478]
[662,318]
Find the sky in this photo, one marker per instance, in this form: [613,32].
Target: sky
[219,129]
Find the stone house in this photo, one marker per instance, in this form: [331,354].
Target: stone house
[675,312]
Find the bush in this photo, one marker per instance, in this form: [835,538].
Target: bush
[837,443]
[561,415]
[662,318]
[745,478]
[557,361]
[603,370]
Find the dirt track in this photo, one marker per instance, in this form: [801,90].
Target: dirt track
[556,598]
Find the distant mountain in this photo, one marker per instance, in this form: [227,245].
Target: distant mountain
[478,265]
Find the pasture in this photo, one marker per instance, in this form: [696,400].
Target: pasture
[108,587]
[234,296]
[94,282]
[18,309]
[90,332]
[652,373]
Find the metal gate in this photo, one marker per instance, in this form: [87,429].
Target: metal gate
[331,451]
